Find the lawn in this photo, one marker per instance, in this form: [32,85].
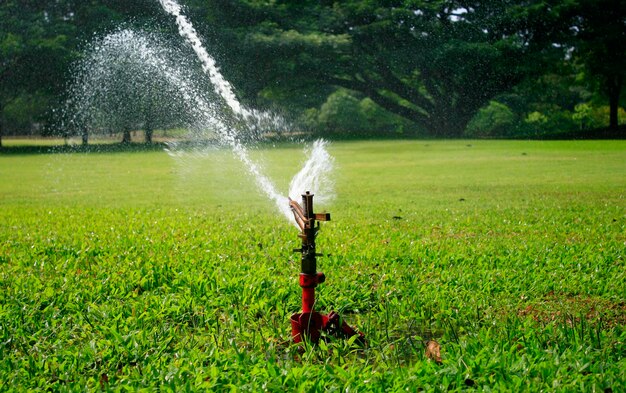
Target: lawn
[131,270]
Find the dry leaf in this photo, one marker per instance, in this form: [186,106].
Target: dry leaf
[433,350]
[104,381]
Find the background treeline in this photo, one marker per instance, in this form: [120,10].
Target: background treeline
[506,68]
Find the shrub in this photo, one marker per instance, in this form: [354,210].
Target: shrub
[496,119]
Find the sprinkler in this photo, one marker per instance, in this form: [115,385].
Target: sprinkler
[310,323]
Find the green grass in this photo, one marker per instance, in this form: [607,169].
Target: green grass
[137,270]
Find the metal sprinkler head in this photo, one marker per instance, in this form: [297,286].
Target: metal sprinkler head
[310,323]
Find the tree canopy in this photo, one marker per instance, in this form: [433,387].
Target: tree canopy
[417,67]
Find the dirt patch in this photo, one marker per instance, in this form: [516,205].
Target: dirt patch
[571,309]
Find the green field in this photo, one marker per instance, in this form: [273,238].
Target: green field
[125,271]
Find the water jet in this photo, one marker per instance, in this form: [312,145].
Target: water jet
[309,324]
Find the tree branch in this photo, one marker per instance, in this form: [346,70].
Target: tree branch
[400,88]
[382,100]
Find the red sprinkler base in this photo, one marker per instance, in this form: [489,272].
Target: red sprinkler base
[309,323]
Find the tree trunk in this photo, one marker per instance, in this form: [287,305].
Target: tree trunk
[126,136]
[614,88]
[85,138]
[445,122]
[149,132]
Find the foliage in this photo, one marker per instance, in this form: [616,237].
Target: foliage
[344,114]
[599,44]
[38,43]
[435,64]
[33,57]
[559,104]
[128,81]
[589,116]
[425,61]
[136,271]
[27,111]
[582,115]
[496,119]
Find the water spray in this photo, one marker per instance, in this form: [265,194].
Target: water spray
[309,324]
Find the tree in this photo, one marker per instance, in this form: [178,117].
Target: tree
[432,62]
[33,57]
[342,112]
[129,80]
[435,63]
[39,40]
[599,42]
[496,119]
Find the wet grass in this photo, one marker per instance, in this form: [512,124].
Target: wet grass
[137,270]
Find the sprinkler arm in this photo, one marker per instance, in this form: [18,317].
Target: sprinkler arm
[301,218]
[298,214]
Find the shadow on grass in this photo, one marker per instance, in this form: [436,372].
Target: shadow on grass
[603,133]
[597,134]
[95,148]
